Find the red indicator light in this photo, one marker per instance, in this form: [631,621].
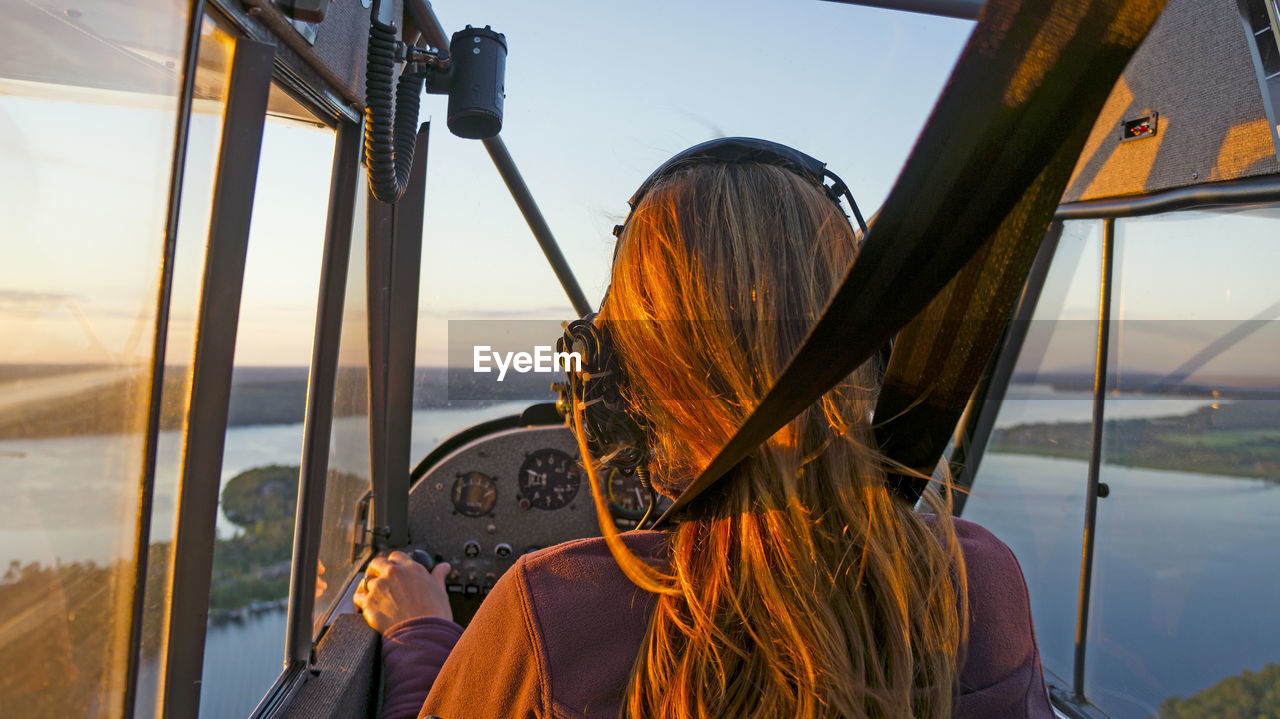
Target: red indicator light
[1139,127]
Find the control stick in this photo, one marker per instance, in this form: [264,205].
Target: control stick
[423,557]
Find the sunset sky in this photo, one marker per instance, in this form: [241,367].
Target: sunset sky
[598,94]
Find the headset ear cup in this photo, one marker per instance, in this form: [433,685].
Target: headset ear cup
[614,436]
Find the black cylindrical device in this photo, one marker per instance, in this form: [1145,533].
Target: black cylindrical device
[479,57]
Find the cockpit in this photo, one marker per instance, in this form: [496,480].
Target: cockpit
[284,279]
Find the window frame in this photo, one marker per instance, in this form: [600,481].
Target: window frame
[253,71]
[204,434]
[321,383]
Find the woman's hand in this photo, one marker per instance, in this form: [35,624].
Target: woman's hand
[396,588]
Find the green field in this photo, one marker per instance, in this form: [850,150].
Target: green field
[1240,439]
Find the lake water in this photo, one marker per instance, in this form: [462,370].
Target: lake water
[1030,404]
[43,521]
[65,504]
[1187,574]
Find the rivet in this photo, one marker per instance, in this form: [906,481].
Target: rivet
[475,51]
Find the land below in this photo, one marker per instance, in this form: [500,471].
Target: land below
[70,400]
[1237,439]
[62,615]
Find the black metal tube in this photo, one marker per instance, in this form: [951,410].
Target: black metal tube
[537,223]
[961,9]
[1095,454]
[313,475]
[1068,706]
[391,509]
[381,226]
[1216,194]
[216,327]
[429,26]
[155,392]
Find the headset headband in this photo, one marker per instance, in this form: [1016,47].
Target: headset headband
[609,427]
[744,150]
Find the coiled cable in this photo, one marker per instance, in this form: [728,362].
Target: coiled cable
[389,138]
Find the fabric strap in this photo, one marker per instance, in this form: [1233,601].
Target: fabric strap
[960,226]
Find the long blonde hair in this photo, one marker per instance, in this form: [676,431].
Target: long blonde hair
[803,587]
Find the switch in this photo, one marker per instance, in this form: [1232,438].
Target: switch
[453,583]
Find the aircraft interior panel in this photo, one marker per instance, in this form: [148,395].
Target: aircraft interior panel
[496,498]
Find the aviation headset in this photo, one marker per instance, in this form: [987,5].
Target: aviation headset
[616,437]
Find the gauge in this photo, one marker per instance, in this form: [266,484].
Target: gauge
[627,497]
[474,494]
[549,479]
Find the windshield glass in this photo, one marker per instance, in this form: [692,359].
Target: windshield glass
[87,112]
[1184,588]
[850,85]
[88,106]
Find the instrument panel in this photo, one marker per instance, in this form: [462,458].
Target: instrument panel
[497,497]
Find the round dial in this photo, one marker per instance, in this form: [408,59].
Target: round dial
[549,479]
[474,494]
[627,497]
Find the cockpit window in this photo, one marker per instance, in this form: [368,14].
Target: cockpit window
[1035,501]
[88,107]
[1185,575]
[349,447]
[251,561]
[1181,615]
[586,135]
[204,135]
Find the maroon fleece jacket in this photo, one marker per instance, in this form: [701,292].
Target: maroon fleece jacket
[558,634]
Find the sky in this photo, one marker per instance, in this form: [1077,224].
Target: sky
[598,94]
